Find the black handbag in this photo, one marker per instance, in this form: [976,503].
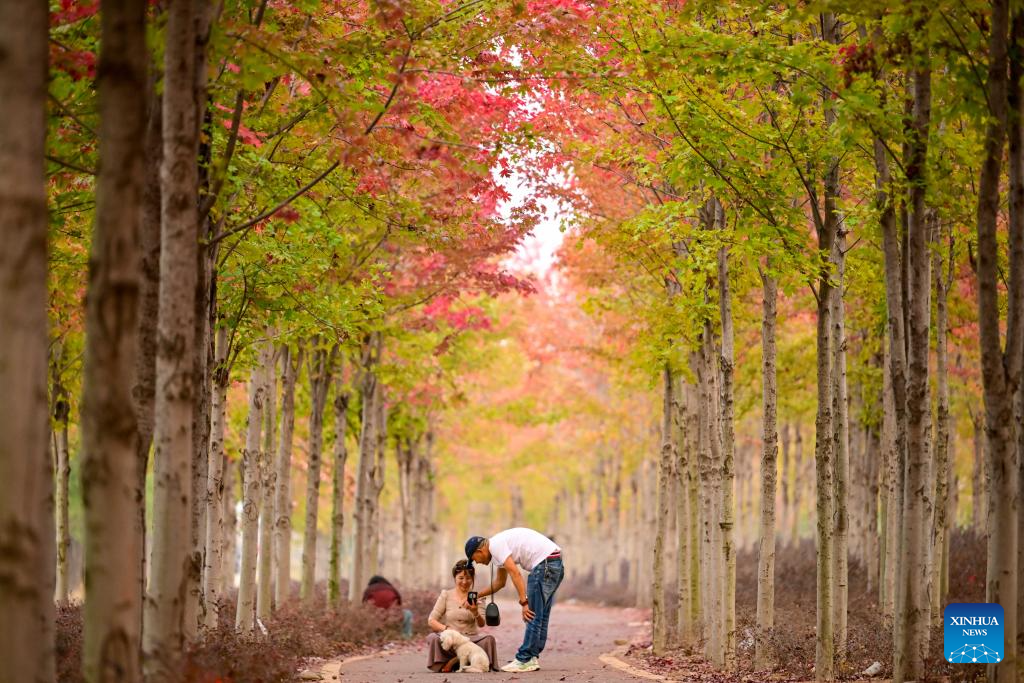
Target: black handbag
[491,615]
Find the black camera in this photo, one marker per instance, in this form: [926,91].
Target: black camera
[471,598]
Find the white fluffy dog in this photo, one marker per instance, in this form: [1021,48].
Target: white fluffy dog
[472,658]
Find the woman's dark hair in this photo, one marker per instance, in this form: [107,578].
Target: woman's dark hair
[463,566]
[378,579]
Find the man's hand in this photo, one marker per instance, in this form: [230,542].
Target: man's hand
[528,614]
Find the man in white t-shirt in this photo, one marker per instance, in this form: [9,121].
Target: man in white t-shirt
[542,559]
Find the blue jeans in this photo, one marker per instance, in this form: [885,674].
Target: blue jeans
[544,580]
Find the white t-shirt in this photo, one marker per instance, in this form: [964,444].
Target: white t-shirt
[526,547]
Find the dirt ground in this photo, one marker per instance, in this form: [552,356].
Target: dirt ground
[577,638]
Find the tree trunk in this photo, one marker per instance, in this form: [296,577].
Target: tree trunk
[321,363]
[290,365]
[230,540]
[404,456]
[341,400]
[712,571]
[798,466]
[426,526]
[727,427]
[841,446]
[668,455]
[912,592]
[1000,371]
[109,429]
[268,470]
[61,411]
[979,479]
[144,391]
[943,437]
[361,571]
[252,484]
[172,475]
[827,227]
[890,513]
[685,524]
[872,450]
[785,519]
[377,479]
[27,532]
[763,655]
[204,317]
[213,577]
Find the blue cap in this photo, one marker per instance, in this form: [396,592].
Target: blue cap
[472,544]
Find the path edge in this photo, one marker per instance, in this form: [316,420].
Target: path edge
[612,659]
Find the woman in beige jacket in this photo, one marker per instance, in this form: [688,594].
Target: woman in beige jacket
[452,610]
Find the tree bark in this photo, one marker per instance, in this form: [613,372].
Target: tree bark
[841,445]
[230,538]
[763,655]
[979,479]
[252,484]
[727,426]
[824,661]
[27,532]
[940,537]
[109,429]
[667,457]
[61,412]
[798,466]
[144,391]
[341,400]
[164,627]
[213,576]
[290,365]
[913,600]
[1000,371]
[686,525]
[268,471]
[366,493]
[321,363]
[204,303]
[405,450]
[712,571]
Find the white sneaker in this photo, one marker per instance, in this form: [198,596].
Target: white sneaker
[515,666]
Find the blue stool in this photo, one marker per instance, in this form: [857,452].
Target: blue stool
[406,624]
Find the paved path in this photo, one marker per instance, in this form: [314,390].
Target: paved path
[577,638]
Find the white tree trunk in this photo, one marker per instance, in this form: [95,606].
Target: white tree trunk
[63,461]
[213,577]
[841,448]
[363,514]
[109,431]
[763,655]
[726,425]
[341,400]
[268,471]
[667,457]
[321,363]
[252,484]
[164,626]
[912,593]
[290,365]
